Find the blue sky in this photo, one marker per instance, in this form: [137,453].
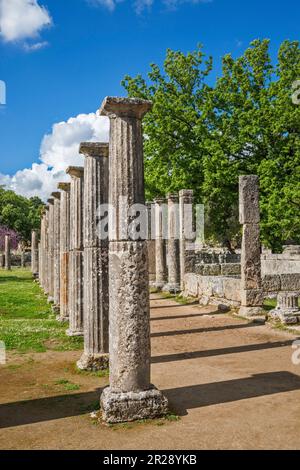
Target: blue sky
[57,71]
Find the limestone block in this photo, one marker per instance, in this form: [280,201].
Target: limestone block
[231,269]
[290,282]
[271,283]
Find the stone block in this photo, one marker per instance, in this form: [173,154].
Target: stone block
[211,269]
[249,200]
[232,289]
[252,297]
[271,283]
[290,282]
[231,269]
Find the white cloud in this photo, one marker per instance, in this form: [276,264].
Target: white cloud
[59,149]
[141,5]
[22,19]
[36,46]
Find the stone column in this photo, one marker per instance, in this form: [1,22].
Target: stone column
[173,262]
[50,263]
[2,260]
[186,234]
[76,252]
[251,285]
[56,250]
[45,252]
[22,256]
[287,309]
[95,291]
[161,271]
[64,250]
[34,253]
[151,243]
[130,395]
[39,254]
[7,253]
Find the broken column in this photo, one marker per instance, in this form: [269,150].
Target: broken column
[161,273]
[76,252]
[173,263]
[7,253]
[186,234]
[50,261]
[251,285]
[34,254]
[130,395]
[287,309]
[64,250]
[95,242]
[56,250]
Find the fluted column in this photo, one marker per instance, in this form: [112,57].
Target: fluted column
[7,253]
[56,250]
[51,251]
[95,291]
[46,253]
[251,285]
[173,262]
[130,395]
[161,271]
[76,252]
[186,234]
[64,250]
[151,243]
[34,254]
[287,309]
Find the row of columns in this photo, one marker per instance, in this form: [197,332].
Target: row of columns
[101,286]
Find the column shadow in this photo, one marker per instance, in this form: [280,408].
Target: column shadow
[258,385]
[203,330]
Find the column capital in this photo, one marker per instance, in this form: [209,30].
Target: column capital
[56,195]
[64,186]
[125,107]
[172,197]
[94,149]
[189,193]
[160,200]
[75,171]
[50,201]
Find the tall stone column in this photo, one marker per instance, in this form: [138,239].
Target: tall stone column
[51,251]
[161,271]
[173,262]
[130,395]
[7,253]
[186,234]
[56,250]
[46,253]
[76,252]
[95,291]
[34,253]
[64,250]
[251,285]
[151,243]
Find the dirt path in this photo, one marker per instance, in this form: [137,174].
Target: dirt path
[233,385]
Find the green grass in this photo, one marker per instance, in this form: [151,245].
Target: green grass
[26,319]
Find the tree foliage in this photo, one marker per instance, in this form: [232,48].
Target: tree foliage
[202,137]
[20,214]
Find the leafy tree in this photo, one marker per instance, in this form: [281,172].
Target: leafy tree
[19,213]
[203,137]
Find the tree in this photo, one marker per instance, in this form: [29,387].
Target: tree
[202,137]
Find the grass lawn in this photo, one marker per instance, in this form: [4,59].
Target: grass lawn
[26,319]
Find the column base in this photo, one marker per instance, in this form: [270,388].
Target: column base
[74,333]
[159,285]
[251,312]
[50,300]
[62,319]
[172,288]
[55,309]
[93,362]
[288,316]
[120,407]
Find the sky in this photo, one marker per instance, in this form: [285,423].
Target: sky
[60,58]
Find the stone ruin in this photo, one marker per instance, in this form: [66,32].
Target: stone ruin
[99,286]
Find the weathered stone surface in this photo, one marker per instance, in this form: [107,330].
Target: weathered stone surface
[252,297]
[290,282]
[271,283]
[211,270]
[56,249]
[96,296]
[129,330]
[186,233]
[76,251]
[191,288]
[64,250]
[287,309]
[249,199]
[151,244]
[50,261]
[130,406]
[173,260]
[232,289]
[7,253]
[231,269]
[160,245]
[34,253]
[250,258]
